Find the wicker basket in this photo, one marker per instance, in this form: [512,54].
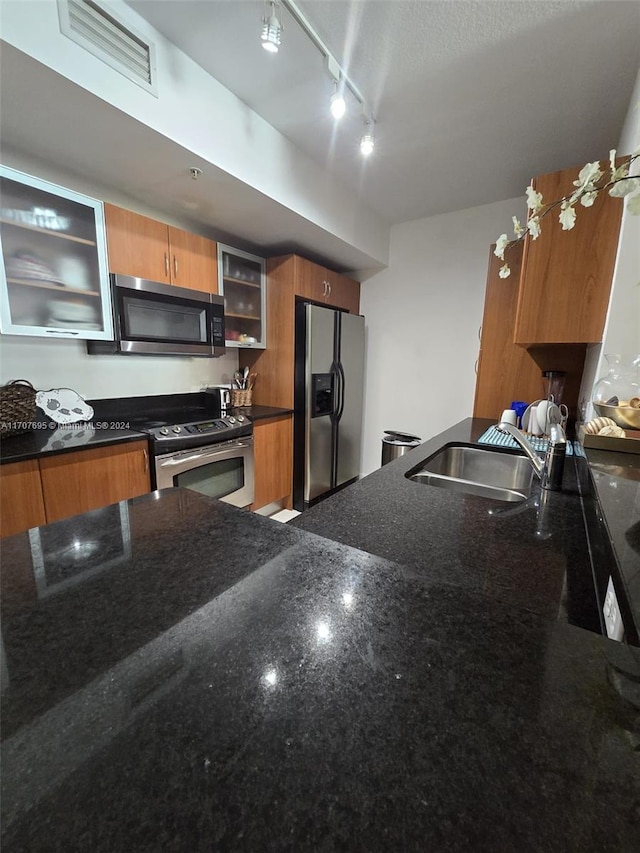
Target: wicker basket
[17,407]
[240,397]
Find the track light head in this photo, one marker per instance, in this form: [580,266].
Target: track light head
[338,105]
[271,35]
[367,142]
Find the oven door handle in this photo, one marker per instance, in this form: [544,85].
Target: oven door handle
[209,454]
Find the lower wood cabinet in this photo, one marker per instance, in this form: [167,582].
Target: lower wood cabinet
[273,461]
[87,479]
[21,501]
[38,492]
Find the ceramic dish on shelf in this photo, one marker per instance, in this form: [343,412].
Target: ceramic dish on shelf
[544,411]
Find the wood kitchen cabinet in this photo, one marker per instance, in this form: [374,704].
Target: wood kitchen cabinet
[76,482]
[146,248]
[273,461]
[289,278]
[506,371]
[21,500]
[323,285]
[566,276]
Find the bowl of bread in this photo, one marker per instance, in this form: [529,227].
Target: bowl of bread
[623,413]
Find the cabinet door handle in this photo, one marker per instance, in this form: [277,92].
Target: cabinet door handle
[329,286]
[476,366]
[175,267]
[324,288]
[480,333]
[145,456]
[166,264]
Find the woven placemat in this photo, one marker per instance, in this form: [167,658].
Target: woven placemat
[502,439]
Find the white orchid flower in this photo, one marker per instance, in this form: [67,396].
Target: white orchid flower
[533,227]
[534,199]
[623,188]
[504,271]
[588,199]
[501,245]
[589,174]
[518,228]
[567,217]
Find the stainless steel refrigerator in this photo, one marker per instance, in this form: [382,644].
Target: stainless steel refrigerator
[329,385]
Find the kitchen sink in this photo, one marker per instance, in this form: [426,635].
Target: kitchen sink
[499,474]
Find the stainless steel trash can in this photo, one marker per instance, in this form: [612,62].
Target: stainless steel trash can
[396,444]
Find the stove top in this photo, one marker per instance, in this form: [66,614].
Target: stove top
[176,422]
[217,428]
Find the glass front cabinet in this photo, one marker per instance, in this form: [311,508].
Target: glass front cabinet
[241,280]
[54,279]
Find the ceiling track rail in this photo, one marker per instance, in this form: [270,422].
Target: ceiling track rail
[332,62]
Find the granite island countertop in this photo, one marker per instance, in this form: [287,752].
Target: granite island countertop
[535,555]
[179,674]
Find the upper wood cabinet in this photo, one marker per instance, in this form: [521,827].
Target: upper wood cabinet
[319,284]
[566,275]
[145,248]
[507,371]
[290,277]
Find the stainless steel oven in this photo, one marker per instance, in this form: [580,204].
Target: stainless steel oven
[223,470]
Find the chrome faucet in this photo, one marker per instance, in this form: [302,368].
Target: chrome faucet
[550,469]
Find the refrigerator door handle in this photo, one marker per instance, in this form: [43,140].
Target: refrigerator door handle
[336,387]
[342,386]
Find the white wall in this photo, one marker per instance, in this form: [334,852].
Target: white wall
[65,363]
[622,328]
[423,316]
[200,114]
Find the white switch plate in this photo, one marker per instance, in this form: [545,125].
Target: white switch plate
[611,611]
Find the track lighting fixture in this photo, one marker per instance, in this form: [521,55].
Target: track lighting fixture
[271,27]
[338,105]
[272,36]
[367,142]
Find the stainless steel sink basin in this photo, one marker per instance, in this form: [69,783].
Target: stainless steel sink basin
[499,474]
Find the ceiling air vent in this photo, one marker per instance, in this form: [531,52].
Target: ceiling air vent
[95,29]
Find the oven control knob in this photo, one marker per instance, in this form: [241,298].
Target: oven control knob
[231,420]
[164,431]
[241,419]
[175,429]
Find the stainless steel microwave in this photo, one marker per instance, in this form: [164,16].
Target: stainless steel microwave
[151,318]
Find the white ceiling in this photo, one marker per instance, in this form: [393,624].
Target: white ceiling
[471,98]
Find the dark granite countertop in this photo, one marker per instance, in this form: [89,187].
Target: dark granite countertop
[617,482]
[108,426]
[533,555]
[53,438]
[182,675]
